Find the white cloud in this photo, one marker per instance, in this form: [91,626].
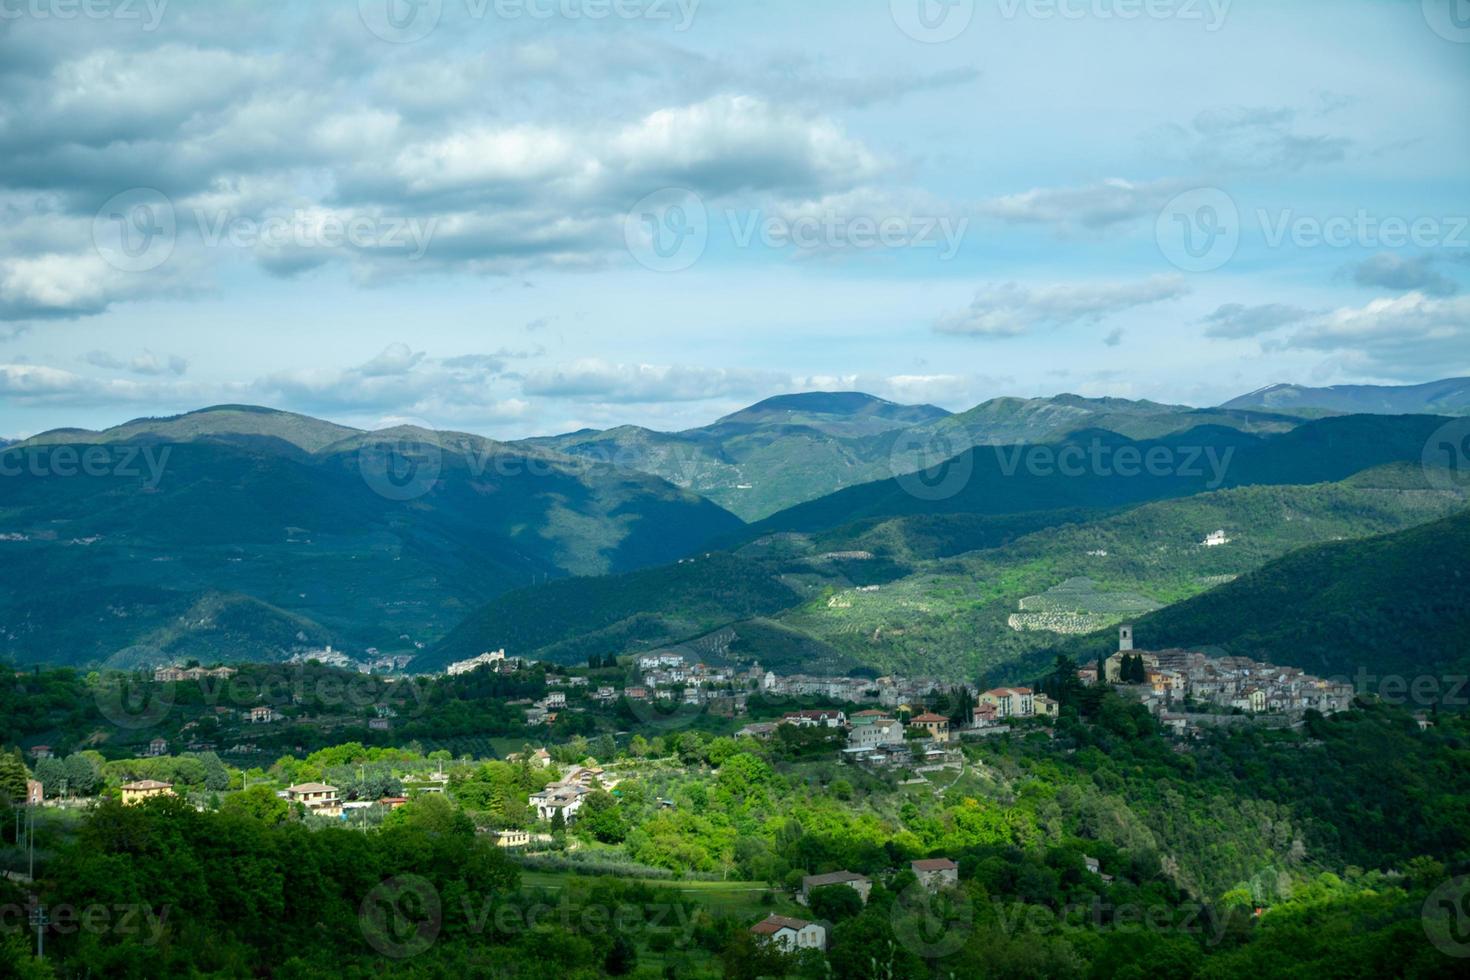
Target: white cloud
[1409,336]
[600,381]
[1011,310]
[147,363]
[1235,320]
[1250,138]
[1092,207]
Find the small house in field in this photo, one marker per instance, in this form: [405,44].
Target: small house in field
[936,873]
[791,934]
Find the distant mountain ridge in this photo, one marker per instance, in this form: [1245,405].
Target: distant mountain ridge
[218,422]
[998,480]
[791,449]
[849,409]
[1450,396]
[264,531]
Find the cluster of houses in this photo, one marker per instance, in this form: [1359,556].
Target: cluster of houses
[494,659]
[877,737]
[566,794]
[1172,678]
[177,674]
[873,736]
[999,704]
[891,692]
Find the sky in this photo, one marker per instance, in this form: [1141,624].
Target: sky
[524,217]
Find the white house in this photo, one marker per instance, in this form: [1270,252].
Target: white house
[792,934]
[563,798]
[872,732]
[1010,702]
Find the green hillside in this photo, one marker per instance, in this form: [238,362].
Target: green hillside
[1085,470]
[1397,603]
[915,594]
[795,448]
[956,615]
[361,554]
[571,619]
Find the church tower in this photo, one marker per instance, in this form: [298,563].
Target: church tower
[1125,638]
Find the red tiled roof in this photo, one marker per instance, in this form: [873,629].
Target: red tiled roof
[934,864]
[773,924]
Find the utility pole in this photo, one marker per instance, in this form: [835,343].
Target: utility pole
[40,920]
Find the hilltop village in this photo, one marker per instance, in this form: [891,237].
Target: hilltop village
[1183,688]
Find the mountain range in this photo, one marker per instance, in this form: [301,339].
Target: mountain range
[1450,396]
[793,448]
[832,529]
[240,529]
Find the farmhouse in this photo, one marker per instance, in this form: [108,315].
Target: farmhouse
[856,882]
[936,873]
[563,798]
[791,934]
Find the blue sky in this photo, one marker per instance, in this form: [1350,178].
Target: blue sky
[516,217]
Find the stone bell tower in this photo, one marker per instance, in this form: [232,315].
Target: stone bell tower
[1125,638]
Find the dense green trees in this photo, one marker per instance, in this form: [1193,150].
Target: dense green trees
[13,776]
